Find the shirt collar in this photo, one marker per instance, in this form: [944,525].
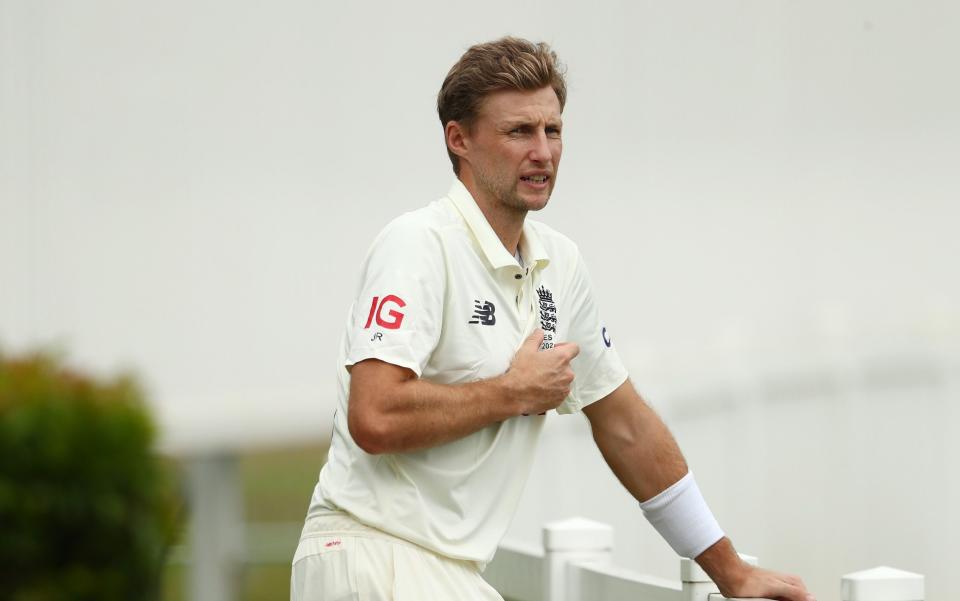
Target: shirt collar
[531,248]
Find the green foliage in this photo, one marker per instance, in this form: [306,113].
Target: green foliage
[87,511]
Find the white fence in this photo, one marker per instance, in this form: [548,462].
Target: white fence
[575,564]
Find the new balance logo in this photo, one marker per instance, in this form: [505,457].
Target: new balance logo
[483,313]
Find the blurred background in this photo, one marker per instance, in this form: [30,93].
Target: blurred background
[766,194]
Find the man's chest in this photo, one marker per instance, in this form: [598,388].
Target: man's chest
[487,315]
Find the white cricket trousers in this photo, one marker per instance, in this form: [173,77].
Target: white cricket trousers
[340,559]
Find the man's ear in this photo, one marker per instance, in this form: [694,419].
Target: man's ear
[457,141]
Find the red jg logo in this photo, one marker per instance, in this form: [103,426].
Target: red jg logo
[395,318]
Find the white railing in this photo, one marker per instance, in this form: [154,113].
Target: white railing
[575,564]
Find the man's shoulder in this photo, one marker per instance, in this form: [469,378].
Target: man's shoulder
[419,230]
[432,217]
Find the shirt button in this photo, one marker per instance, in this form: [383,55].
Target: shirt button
[517,277]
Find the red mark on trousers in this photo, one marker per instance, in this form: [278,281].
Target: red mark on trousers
[333,543]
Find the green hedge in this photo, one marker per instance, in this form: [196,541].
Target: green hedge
[87,510]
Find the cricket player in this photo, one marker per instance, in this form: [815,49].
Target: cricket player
[471,326]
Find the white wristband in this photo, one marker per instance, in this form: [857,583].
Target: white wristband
[681,516]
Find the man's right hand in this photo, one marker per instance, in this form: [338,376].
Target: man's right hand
[538,381]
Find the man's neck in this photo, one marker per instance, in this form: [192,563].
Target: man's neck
[507,223]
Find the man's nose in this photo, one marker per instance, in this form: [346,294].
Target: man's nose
[540,152]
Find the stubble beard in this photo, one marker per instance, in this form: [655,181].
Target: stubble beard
[503,192]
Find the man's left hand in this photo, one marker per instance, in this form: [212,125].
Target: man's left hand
[767,584]
[737,579]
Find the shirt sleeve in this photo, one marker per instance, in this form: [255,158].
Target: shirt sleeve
[597,370]
[398,309]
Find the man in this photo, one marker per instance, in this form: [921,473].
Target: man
[470,324]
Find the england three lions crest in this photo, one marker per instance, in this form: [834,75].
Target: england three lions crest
[548,317]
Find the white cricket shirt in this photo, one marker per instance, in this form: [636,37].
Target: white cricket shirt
[440,295]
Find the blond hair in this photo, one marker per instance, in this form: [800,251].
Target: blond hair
[505,64]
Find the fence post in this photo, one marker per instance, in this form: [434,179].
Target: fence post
[574,539]
[697,586]
[882,584]
[216,528]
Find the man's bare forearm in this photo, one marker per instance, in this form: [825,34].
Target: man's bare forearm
[392,411]
[420,414]
[645,457]
[635,443]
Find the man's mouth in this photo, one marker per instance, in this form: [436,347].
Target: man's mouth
[536,179]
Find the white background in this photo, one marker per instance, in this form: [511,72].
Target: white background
[766,193]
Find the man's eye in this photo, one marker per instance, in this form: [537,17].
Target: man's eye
[553,132]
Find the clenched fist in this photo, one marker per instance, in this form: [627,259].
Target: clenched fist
[538,381]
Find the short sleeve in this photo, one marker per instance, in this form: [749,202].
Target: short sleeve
[597,370]
[397,312]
